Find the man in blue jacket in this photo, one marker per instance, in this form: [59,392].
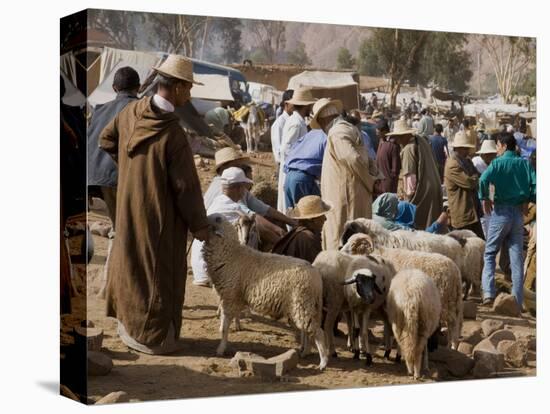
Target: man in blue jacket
[102,171]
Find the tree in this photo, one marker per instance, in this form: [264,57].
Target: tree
[228,31]
[511,58]
[270,37]
[345,60]
[368,62]
[181,34]
[120,26]
[299,56]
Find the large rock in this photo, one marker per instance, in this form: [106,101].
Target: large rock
[465,348]
[515,352]
[271,368]
[486,345]
[91,338]
[469,310]
[472,334]
[487,364]
[243,361]
[285,362]
[457,364]
[114,397]
[491,325]
[505,304]
[502,335]
[99,364]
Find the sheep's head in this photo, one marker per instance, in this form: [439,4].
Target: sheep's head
[220,227]
[362,225]
[359,244]
[365,284]
[246,230]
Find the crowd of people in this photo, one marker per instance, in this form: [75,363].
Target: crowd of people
[332,166]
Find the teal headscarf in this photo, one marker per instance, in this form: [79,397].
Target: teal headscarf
[384,210]
[405,214]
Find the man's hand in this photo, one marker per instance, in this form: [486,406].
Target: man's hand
[202,234]
[487,206]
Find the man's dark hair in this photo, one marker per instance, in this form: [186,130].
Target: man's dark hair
[466,123]
[423,112]
[167,82]
[126,79]
[287,95]
[523,129]
[383,126]
[438,128]
[507,139]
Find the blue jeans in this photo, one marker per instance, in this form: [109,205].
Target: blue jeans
[297,185]
[505,226]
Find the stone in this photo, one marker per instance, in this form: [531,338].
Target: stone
[91,338]
[505,304]
[99,364]
[487,364]
[469,309]
[114,397]
[199,163]
[472,335]
[243,361]
[101,229]
[66,392]
[491,325]
[504,345]
[285,362]
[515,353]
[503,334]
[457,364]
[465,348]
[264,369]
[485,345]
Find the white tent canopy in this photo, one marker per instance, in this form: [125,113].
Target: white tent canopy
[73,96]
[216,87]
[319,78]
[261,93]
[111,58]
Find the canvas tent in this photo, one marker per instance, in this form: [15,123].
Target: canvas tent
[73,96]
[262,93]
[335,85]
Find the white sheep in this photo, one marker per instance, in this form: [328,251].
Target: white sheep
[473,249]
[441,269]
[268,284]
[413,307]
[358,285]
[405,239]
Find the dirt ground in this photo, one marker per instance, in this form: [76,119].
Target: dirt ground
[195,371]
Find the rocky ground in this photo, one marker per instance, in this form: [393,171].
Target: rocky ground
[493,344]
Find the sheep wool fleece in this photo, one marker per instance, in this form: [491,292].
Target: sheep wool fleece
[158,200]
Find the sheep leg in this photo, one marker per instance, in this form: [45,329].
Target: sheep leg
[425,360]
[364,344]
[398,354]
[355,332]
[417,363]
[466,289]
[388,339]
[224,329]
[321,348]
[238,323]
[305,348]
[349,323]
[328,326]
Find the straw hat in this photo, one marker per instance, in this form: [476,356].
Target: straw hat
[228,154]
[400,127]
[320,105]
[461,141]
[376,114]
[178,67]
[309,207]
[488,146]
[302,96]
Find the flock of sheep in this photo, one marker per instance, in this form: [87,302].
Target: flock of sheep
[414,282]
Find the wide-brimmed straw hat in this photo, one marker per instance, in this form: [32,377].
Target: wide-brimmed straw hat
[309,207]
[461,140]
[400,127]
[376,114]
[178,67]
[488,146]
[302,96]
[228,154]
[325,107]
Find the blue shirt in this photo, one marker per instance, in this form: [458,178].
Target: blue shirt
[525,145]
[368,145]
[307,153]
[438,143]
[370,129]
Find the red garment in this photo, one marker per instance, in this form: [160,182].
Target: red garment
[389,164]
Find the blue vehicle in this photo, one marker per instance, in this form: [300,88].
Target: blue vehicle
[237,81]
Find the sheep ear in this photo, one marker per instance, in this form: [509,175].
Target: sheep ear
[349,281]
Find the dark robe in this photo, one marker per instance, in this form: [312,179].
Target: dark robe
[389,164]
[158,199]
[299,242]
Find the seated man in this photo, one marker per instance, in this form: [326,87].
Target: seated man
[304,241]
[229,203]
[405,218]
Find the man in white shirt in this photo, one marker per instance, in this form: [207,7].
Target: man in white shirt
[278,125]
[295,127]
